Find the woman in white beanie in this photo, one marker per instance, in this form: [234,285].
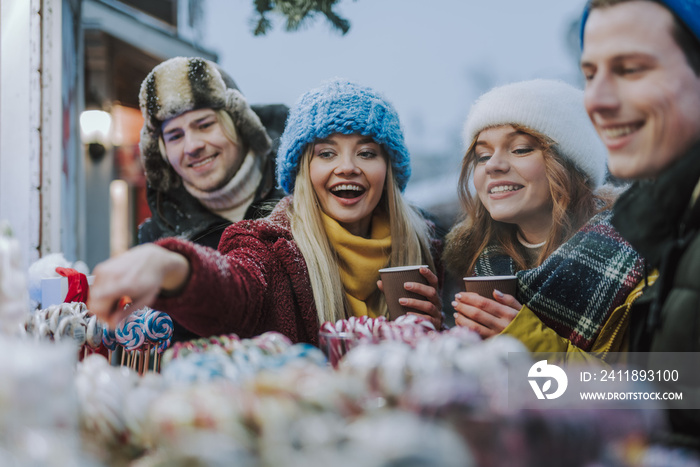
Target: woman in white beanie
[530,188]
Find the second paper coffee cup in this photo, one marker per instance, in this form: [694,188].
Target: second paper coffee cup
[485,285]
[393,280]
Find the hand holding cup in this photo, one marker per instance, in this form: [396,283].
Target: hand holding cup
[412,289]
[489,304]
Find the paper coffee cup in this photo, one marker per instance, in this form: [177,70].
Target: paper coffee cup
[393,280]
[485,285]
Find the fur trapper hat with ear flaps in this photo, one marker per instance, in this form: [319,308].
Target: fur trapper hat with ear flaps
[550,107]
[179,85]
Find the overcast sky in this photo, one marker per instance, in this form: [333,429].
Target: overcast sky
[431,59]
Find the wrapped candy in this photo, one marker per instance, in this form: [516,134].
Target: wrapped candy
[13,288]
[38,404]
[272,342]
[72,328]
[336,339]
[70,322]
[203,359]
[201,367]
[95,332]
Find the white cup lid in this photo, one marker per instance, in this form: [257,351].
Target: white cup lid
[490,278]
[403,268]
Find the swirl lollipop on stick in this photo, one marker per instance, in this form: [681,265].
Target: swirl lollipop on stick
[130,335]
[159,326]
[162,347]
[159,330]
[109,340]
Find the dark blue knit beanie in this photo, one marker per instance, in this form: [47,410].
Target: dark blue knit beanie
[688,11]
[341,107]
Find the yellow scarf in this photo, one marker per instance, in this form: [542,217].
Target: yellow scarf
[360,260]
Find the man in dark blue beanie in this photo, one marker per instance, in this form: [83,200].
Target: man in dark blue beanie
[641,60]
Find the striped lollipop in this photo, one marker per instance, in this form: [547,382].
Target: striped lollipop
[163,345]
[109,339]
[159,330]
[130,332]
[158,326]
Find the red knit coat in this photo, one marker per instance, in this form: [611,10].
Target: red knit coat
[256,282]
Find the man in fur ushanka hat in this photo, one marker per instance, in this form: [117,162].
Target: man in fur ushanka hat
[208,155]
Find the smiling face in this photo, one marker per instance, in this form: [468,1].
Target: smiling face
[641,94]
[348,173]
[511,181]
[200,151]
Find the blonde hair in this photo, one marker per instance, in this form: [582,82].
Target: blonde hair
[226,122]
[407,225]
[573,203]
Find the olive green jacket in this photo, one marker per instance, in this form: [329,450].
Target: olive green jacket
[613,337]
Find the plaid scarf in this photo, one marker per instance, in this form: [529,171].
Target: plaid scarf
[577,287]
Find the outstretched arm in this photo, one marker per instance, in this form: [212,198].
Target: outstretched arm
[141,274]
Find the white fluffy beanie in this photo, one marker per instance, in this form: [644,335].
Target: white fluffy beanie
[552,108]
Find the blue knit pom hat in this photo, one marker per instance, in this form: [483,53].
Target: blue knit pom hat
[688,11]
[341,106]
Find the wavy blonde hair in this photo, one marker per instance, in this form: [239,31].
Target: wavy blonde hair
[574,202]
[406,223]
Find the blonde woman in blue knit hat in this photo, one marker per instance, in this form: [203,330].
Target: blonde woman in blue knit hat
[316,257]
[537,210]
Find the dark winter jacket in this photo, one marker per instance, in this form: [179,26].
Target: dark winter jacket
[256,282]
[658,219]
[177,213]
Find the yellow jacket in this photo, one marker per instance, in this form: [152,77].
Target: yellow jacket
[613,337]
